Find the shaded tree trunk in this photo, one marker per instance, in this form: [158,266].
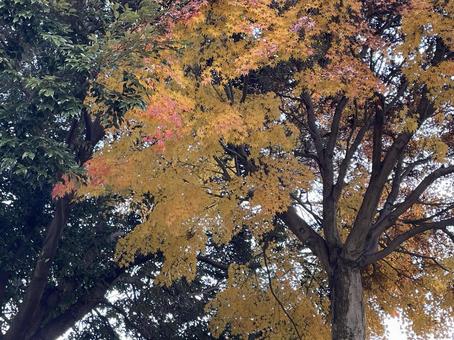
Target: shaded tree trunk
[29,316]
[28,319]
[347,303]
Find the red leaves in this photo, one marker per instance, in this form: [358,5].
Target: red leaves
[97,170]
[166,110]
[65,186]
[303,22]
[182,12]
[159,138]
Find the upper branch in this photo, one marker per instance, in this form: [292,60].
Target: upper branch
[346,160]
[356,240]
[313,129]
[395,243]
[307,235]
[335,127]
[391,218]
[377,140]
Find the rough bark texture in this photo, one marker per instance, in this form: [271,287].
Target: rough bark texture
[347,303]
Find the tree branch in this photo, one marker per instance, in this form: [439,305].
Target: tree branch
[346,161]
[395,243]
[356,240]
[126,319]
[28,316]
[313,129]
[308,236]
[335,127]
[213,263]
[29,308]
[390,219]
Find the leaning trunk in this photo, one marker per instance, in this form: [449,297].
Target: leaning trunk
[347,304]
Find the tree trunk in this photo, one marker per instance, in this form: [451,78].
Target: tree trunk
[28,317]
[347,303]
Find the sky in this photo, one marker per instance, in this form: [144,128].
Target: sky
[394,331]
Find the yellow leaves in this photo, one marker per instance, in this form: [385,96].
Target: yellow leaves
[240,37]
[440,82]
[410,124]
[434,145]
[424,18]
[180,256]
[440,150]
[405,121]
[248,306]
[273,184]
[216,156]
[179,246]
[227,220]
[414,22]
[423,23]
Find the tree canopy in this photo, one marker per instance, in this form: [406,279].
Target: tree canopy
[314,125]
[300,152]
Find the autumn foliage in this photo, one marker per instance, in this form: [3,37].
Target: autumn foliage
[324,128]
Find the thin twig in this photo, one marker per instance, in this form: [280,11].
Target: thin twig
[276,298]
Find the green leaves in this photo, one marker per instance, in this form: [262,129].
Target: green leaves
[36,159]
[29,155]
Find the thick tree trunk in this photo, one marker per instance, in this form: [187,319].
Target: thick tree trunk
[347,303]
[28,317]
[30,314]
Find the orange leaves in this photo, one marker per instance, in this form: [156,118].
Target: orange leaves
[63,187]
[97,171]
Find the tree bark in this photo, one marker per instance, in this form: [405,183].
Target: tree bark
[28,318]
[347,303]
[28,315]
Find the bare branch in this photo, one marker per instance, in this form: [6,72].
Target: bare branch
[356,240]
[213,263]
[313,129]
[377,140]
[346,161]
[270,284]
[335,127]
[390,219]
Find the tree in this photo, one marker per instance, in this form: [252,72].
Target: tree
[325,130]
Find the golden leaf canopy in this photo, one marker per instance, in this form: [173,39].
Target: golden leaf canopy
[223,145]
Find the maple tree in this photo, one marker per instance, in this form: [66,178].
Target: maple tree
[325,130]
